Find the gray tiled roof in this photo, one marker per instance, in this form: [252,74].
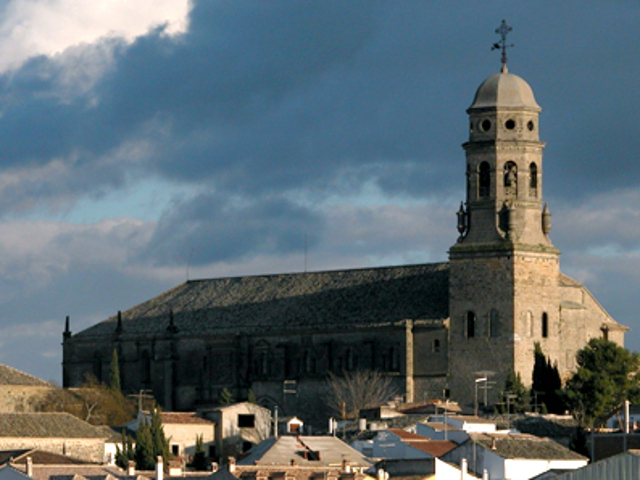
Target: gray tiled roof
[11,376]
[522,446]
[43,425]
[289,449]
[337,300]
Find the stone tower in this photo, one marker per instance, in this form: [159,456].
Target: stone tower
[504,292]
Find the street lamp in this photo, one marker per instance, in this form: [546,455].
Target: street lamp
[475,405]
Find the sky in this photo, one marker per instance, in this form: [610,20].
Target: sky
[146,143]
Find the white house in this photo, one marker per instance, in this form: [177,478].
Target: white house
[182,429]
[513,456]
[467,423]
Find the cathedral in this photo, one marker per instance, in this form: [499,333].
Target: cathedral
[435,330]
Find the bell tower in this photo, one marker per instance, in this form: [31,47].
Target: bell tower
[504,270]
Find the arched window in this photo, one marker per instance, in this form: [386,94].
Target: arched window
[545,325]
[471,325]
[533,176]
[484,180]
[494,324]
[533,180]
[510,178]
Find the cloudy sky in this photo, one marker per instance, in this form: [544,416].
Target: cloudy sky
[143,143]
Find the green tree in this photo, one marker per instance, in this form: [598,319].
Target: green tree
[144,454]
[114,373]
[126,453]
[607,375]
[159,441]
[225,397]
[518,395]
[546,383]
[151,443]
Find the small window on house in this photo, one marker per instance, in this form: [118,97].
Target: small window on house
[246,420]
[545,325]
[436,346]
[175,449]
[471,325]
[484,174]
[605,333]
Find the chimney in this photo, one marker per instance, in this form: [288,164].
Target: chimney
[485,474]
[626,416]
[231,462]
[463,469]
[214,467]
[29,467]
[381,473]
[494,446]
[159,468]
[131,468]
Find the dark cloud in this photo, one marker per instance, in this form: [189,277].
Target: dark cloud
[211,228]
[258,98]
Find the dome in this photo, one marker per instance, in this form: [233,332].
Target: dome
[505,90]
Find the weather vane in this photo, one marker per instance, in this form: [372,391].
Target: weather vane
[503,30]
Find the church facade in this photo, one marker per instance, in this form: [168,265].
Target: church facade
[434,329]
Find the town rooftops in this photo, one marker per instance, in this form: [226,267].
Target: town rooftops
[41,425]
[38,457]
[304,451]
[338,300]
[11,376]
[432,447]
[524,446]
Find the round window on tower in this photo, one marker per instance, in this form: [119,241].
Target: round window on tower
[510,124]
[485,125]
[530,125]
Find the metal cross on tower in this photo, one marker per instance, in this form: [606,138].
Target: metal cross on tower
[503,30]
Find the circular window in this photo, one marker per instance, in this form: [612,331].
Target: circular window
[510,124]
[530,125]
[485,126]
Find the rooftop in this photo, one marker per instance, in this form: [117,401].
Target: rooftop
[524,446]
[304,451]
[11,376]
[42,425]
[339,300]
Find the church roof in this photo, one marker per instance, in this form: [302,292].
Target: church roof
[332,300]
[504,90]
